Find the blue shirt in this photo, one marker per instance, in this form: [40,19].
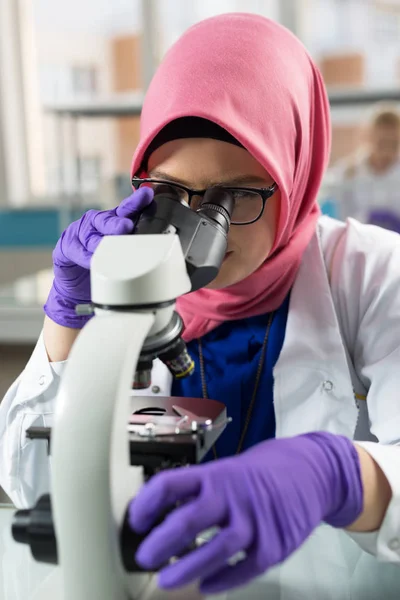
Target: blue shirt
[232,354]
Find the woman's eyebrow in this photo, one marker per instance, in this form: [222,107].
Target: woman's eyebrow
[229,181]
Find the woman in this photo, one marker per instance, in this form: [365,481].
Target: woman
[369,188]
[303,310]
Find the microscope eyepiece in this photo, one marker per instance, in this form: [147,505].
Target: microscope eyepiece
[217,205]
[203,237]
[159,215]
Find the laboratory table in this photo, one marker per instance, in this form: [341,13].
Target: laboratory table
[329,566]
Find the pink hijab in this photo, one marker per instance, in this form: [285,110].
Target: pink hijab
[254,78]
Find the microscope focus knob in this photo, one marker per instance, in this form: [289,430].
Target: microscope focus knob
[35,528]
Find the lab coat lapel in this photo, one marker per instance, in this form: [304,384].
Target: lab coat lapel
[312,383]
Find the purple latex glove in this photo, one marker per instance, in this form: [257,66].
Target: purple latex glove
[266,502]
[74,250]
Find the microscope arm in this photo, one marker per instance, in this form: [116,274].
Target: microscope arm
[92,480]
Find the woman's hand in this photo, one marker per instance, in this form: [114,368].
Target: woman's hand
[266,502]
[74,250]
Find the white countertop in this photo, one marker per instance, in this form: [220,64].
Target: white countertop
[329,566]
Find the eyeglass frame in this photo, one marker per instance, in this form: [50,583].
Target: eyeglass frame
[264,193]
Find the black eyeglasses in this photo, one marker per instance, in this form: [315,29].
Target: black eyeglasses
[249,202]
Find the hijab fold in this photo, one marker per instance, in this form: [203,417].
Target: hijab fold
[255,79]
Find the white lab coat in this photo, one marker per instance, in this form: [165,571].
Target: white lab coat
[342,335]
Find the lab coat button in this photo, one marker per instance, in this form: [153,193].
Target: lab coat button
[394,544]
[327,386]
[155,389]
[42,380]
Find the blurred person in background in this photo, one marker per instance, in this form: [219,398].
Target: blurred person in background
[369,188]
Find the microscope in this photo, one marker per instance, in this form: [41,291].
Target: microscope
[102,452]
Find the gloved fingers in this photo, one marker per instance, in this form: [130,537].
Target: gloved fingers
[72,255]
[120,221]
[178,531]
[106,223]
[92,241]
[230,577]
[135,203]
[202,563]
[82,257]
[160,494]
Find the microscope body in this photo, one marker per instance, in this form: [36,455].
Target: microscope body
[135,281]
[92,478]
